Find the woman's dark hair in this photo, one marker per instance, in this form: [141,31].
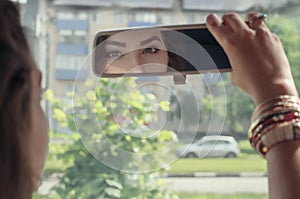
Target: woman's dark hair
[99,65]
[176,61]
[15,93]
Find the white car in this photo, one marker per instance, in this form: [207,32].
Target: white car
[210,146]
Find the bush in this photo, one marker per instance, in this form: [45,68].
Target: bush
[84,176]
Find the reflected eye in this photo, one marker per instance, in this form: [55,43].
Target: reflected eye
[151,50]
[113,54]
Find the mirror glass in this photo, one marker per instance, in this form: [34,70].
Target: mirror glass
[157,51]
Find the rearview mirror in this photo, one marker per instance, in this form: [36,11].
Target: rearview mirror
[157,51]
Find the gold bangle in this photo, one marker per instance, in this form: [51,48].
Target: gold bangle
[287,131]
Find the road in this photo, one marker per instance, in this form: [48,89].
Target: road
[221,185]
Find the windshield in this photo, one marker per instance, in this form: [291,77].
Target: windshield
[120,137]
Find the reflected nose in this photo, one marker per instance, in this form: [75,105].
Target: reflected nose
[133,62]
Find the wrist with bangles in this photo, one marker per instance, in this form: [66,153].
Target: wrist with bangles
[274,121]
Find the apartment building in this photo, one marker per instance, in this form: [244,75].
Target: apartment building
[69,27]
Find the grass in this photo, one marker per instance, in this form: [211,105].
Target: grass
[248,161]
[218,165]
[246,148]
[221,196]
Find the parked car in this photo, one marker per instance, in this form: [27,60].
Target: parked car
[210,146]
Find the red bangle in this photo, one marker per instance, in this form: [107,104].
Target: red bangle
[281,133]
[272,101]
[277,113]
[273,121]
[275,107]
[264,131]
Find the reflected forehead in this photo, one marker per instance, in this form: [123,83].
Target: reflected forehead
[134,37]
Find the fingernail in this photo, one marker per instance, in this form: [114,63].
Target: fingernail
[212,20]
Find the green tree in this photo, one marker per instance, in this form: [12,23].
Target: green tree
[288,30]
[237,109]
[84,177]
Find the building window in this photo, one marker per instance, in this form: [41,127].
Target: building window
[166,19]
[80,33]
[69,62]
[118,18]
[65,15]
[82,16]
[71,39]
[191,18]
[67,88]
[144,17]
[68,15]
[65,32]
[72,36]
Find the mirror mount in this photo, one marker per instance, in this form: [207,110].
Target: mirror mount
[179,79]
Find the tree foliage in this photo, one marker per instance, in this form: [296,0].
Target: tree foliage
[85,177]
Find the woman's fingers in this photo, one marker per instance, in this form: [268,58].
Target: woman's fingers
[219,30]
[214,25]
[227,31]
[260,66]
[234,21]
[251,16]
[256,20]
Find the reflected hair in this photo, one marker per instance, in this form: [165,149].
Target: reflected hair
[100,55]
[176,61]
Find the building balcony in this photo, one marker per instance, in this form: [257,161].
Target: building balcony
[72,24]
[72,49]
[68,74]
[140,23]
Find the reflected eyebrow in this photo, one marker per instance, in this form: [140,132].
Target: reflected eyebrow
[147,41]
[115,43]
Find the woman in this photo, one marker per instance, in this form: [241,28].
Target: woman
[23,127]
[261,69]
[132,51]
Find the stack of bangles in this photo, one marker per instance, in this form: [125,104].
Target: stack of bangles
[273,121]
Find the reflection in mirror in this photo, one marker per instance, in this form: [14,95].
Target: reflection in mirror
[135,53]
[156,51]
